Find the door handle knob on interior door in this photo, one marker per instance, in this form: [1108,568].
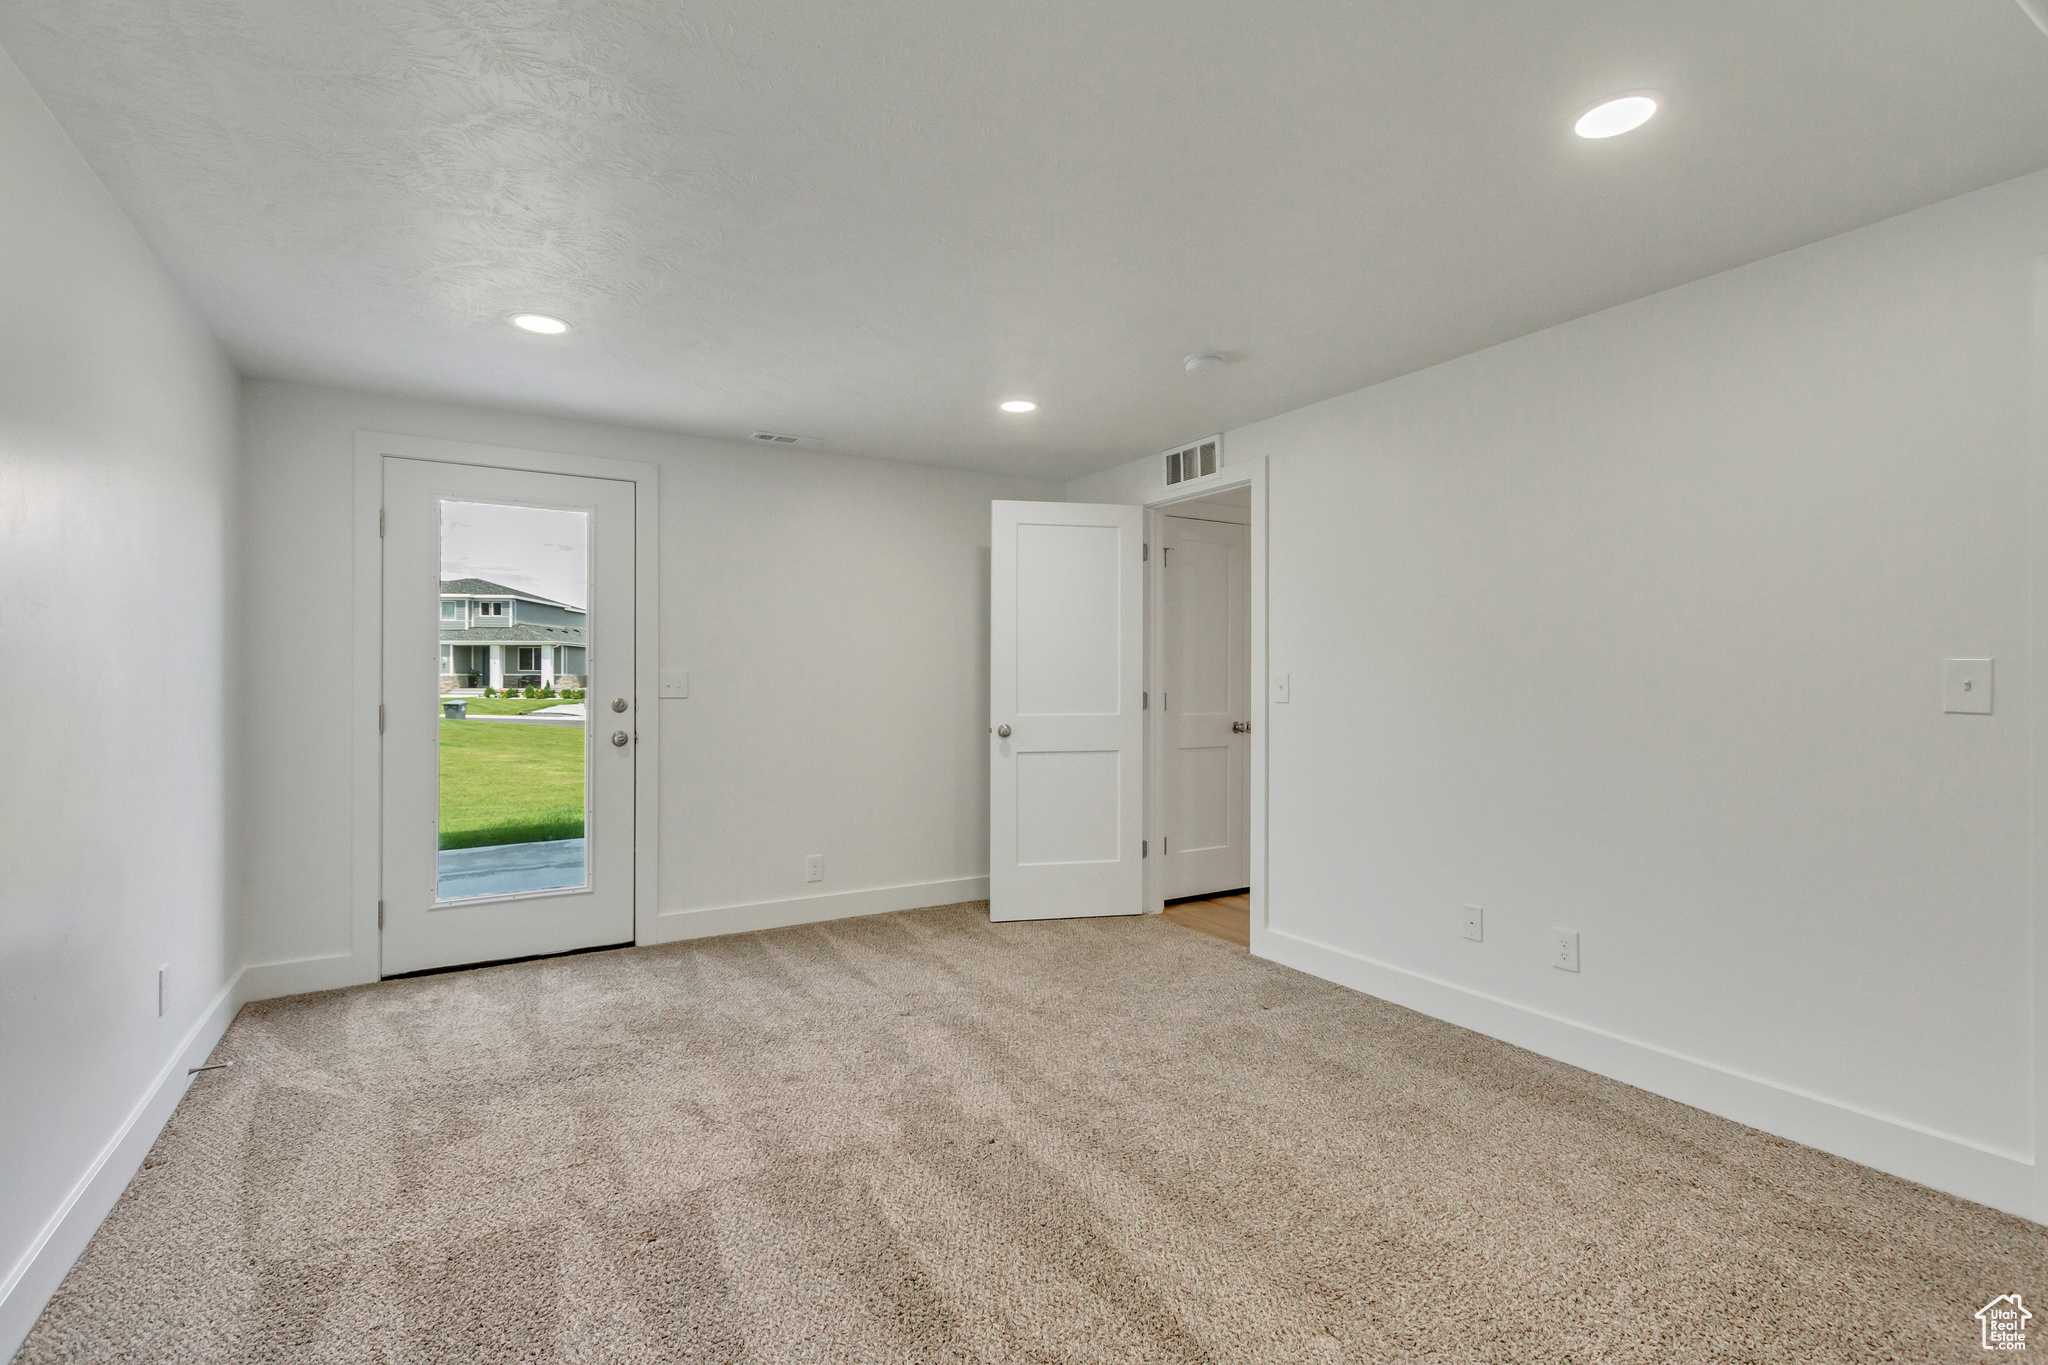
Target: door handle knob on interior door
[620,737]
[1002,732]
[1240,727]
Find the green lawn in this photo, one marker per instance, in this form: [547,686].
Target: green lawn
[510,784]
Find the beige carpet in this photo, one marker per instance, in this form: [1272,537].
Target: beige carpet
[925,1138]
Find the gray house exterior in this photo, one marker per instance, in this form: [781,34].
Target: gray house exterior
[495,636]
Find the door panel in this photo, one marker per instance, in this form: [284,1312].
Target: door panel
[1205,692]
[507,824]
[1066,641]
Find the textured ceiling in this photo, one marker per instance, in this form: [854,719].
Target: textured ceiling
[868,223]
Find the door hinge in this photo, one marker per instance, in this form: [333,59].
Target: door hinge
[1166,701]
[1147,556]
[1165,844]
[1144,848]
[380,717]
[380,914]
[1165,555]
[380,523]
[1146,703]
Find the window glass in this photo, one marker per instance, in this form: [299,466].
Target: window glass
[513,769]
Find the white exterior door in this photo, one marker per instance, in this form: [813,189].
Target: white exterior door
[1066,732]
[507,832]
[1204,698]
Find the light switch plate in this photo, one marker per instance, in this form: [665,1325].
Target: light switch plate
[675,682]
[1966,687]
[1282,685]
[1475,923]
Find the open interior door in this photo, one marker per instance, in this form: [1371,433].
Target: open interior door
[1066,725]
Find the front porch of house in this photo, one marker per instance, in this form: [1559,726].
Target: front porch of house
[472,668]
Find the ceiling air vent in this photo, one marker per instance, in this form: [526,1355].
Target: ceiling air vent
[1195,461]
[777,439]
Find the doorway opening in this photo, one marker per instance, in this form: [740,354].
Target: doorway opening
[1201,712]
[507,822]
[1126,755]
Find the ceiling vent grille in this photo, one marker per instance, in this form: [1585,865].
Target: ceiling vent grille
[1195,461]
[777,439]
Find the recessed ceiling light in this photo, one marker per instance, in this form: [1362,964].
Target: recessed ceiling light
[1019,405]
[1610,118]
[539,322]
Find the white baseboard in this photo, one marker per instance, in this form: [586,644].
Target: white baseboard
[42,1267]
[2003,1180]
[709,922]
[297,976]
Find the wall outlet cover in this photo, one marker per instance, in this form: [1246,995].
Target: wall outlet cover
[1564,953]
[814,868]
[1283,687]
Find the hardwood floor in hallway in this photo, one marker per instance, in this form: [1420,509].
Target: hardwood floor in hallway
[1226,917]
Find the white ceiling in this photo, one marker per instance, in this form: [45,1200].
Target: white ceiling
[870,222]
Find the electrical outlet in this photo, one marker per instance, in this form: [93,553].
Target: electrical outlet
[1475,923]
[1564,953]
[161,973]
[814,868]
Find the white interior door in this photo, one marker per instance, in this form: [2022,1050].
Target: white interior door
[507,832]
[1066,732]
[1205,708]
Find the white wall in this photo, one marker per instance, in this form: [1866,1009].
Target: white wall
[117,451]
[1635,626]
[832,613]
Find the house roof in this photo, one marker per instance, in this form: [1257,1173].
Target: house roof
[514,635]
[483,587]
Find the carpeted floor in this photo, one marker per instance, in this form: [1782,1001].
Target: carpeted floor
[925,1138]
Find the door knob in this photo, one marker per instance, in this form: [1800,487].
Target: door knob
[1003,731]
[620,738]
[1240,727]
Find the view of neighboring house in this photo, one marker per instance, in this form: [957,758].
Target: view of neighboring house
[495,636]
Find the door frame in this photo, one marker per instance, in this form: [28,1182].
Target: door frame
[1247,474]
[366,863]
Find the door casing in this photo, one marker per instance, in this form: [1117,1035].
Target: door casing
[366,665]
[1249,474]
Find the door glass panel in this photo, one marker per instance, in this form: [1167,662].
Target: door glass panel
[514,756]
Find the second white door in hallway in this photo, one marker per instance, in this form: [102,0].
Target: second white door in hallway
[1205,707]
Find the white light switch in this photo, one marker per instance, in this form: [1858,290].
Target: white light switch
[1282,685]
[814,868]
[675,682]
[1475,923]
[1966,687]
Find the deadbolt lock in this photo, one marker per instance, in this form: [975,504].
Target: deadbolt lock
[618,703]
